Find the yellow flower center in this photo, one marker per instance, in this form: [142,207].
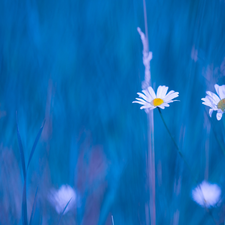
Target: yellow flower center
[221,104]
[159,101]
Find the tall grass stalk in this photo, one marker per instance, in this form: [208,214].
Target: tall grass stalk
[24,168]
[33,207]
[112,220]
[147,56]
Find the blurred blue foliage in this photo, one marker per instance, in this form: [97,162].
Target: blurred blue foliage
[78,65]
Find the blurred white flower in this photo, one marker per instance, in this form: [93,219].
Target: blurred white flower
[150,100]
[216,103]
[206,194]
[60,198]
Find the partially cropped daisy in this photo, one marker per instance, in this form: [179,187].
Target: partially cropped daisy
[217,103]
[150,100]
[206,194]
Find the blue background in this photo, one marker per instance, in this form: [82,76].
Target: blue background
[78,65]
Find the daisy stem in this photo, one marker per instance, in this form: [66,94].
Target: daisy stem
[210,213]
[181,155]
[221,146]
[160,113]
[214,132]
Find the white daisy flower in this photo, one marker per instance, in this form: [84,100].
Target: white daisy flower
[59,198]
[216,103]
[150,100]
[206,194]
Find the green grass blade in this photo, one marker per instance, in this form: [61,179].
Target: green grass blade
[21,150]
[33,207]
[35,144]
[112,220]
[63,211]
[24,205]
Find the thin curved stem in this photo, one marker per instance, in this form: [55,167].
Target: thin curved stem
[214,132]
[210,213]
[181,155]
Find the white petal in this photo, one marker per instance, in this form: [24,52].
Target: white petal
[208,101]
[165,89]
[213,96]
[151,92]
[213,102]
[171,101]
[219,115]
[141,100]
[147,106]
[165,104]
[159,92]
[220,90]
[141,103]
[170,96]
[144,97]
[216,86]
[161,106]
[210,112]
[147,94]
[170,92]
